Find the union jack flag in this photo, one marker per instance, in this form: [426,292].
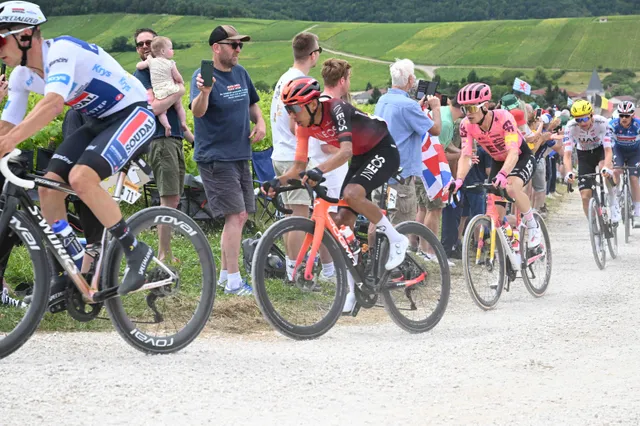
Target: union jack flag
[436,173]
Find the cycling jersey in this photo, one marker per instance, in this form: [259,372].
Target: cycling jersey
[89,79]
[503,136]
[625,137]
[586,140]
[342,122]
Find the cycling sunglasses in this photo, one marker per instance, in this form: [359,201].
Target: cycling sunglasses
[583,119]
[471,109]
[234,45]
[293,109]
[625,115]
[3,37]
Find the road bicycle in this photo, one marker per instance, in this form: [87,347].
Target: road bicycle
[494,251]
[626,201]
[601,227]
[163,316]
[415,294]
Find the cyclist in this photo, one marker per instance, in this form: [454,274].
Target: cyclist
[360,138]
[83,76]
[624,132]
[496,131]
[588,133]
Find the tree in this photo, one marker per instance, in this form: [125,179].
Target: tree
[472,77]
[540,77]
[119,44]
[262,86]
[375,96]
[369,86]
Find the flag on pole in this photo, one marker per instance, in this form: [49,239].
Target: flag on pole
[521,86]
[601,102]
[435,168]
[569,101]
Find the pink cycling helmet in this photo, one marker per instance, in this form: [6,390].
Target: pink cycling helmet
[474,93]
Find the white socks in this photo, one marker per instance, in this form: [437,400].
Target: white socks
[385,226]
[234,281]
[636,209]
[223,276]
[328,269]
[290,265]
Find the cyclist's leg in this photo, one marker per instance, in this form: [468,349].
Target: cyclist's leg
[634,183]
[612,191]
[587,163]
[125,135]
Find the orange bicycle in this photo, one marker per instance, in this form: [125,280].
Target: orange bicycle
[415,294]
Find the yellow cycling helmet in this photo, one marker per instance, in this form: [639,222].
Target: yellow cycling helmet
[581,107]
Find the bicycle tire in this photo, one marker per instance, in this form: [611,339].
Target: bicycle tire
[40,293]
[625,214]
[528,283]
[595,231]
[122,323]
[415,228]
[612,242]
[278,322]
[500,258]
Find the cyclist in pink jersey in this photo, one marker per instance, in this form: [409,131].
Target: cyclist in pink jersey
[496,131]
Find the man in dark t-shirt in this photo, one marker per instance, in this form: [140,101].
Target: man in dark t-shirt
[223,109]
[166,156]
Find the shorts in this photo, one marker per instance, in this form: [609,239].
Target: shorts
[107,144]
[626,156]
[406,203]
[423,199]
[523,168]
[539,180]
[228,186]
[587,163]
[166,158]
[291,198]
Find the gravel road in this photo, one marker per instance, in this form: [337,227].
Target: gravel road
[568,358]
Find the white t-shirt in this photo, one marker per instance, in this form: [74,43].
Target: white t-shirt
[284,142]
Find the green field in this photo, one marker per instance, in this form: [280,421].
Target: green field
[577,44]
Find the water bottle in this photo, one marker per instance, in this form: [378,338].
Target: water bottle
[508,232]
[69,240]
[274,261]
[351,239]
[515,243]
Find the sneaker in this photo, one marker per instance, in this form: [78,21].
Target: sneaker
[455,253]
[433,258]
[7,300]
[244,290]
[397,252]
[349,303]
[330,278]
[551,196]
[221,284]
[636,220]
[535,237]
[137,262]
[615,213]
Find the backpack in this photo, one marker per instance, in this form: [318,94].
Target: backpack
[275,267]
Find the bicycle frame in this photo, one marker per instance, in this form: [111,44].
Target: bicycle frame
[16,195]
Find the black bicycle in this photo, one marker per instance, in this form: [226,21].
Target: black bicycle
[164,316]
[415,294]
[626,201]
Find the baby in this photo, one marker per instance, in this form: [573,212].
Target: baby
[166,81]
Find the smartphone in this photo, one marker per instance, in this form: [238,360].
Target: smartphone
[3,70]
[431,89]
[444,100]
[538,112]
[422,89]
[206,71]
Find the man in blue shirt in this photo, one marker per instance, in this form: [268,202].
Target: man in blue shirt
[407,124]
[223,138]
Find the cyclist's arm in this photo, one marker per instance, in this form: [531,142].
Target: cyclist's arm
[5,126]
[301,157]
[343,155]
[510,162]
[608,152]
[512,141]
[42,114]
[464,162]
[341,118]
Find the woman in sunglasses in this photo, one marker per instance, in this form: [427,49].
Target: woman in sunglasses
[588,133]
[624,132]
[496,132]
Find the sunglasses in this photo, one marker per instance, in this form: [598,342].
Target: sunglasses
[3,37]
[624,115]
[319,50]
[143,43]
[293,109]
[235,45]
[471,109]
[582,119]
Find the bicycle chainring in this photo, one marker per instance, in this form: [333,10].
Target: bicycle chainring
[78,309]
[365,300]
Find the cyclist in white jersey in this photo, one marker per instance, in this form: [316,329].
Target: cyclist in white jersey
[119,124]
[588,134]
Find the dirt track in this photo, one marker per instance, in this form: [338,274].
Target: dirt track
[568,358]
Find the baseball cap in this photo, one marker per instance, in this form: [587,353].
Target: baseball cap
[509,102]
[518,114]
[226,32]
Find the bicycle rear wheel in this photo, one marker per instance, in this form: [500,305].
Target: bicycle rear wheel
[596,234]
[484,277]
[612,241]
[24,270]
[167,318]
[626,216]
[537,262]
[300,309]
[417,293]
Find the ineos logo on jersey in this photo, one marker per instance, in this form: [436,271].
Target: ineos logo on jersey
[372,168]
[101,71]
[339,114]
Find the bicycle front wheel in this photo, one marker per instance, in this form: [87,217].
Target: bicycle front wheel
[484,276]
[298,307]
[596,234]
[164,319]
[417,292]
[537,262]
[626,214]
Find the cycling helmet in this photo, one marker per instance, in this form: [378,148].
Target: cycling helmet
[300,91]
[626,107]
[21,13]
[474,93]
[581,107]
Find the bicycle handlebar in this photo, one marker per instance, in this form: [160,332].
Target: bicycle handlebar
[295,184]
[4,169]
[500,192]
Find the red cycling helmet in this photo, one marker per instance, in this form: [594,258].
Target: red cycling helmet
[474,93]
[300,91]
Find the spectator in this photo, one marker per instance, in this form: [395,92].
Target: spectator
[223,110]
[166,156]
[306,53]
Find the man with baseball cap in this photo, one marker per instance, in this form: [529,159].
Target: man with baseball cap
[222,110]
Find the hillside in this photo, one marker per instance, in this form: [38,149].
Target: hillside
[578,44]
[355,10]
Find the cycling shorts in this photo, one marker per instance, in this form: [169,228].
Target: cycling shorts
[626,156]
[106,145]
[587,163]
[523,168]
[373,168]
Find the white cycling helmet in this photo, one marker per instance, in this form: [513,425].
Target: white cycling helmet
[626,107]
[20,12]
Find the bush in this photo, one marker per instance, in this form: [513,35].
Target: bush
[121,44]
